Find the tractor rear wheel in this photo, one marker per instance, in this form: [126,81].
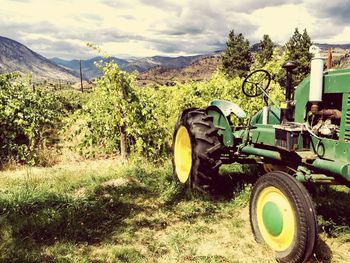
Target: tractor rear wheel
[282,215]
[196,147]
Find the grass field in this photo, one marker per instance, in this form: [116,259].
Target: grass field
[107,211]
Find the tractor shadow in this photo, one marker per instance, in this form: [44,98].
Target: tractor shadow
[322,253]
[233,179]
[332,206]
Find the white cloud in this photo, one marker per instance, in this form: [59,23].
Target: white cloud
[342,38]
[280,22]
[164,27]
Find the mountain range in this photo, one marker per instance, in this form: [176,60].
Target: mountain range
[140,65]
[14,56]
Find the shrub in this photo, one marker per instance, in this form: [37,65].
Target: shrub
[27,118]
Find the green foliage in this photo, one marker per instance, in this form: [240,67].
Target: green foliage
[94,121]
[274,67]
[237,57]
[298,50]
[266,50]
[115,103]
[26,117]
[199,94]
[150,113]
[149,124]
[72,100]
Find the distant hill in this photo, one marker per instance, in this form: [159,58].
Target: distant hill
[89,69]
[326,46]
[14,56]
[144,64]
[136,64]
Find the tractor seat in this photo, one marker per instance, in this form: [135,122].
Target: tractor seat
[228,107]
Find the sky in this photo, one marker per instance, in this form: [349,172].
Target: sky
[140,28]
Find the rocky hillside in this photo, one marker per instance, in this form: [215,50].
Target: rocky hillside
[340,55]
[203,67]
[16,57]
[200,69]
[144,64]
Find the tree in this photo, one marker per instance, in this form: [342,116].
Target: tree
[298,50]
[115,95]
[237,57]
[114,99]
[266,50]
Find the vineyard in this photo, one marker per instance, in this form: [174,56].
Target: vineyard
[87,177]
[93,123]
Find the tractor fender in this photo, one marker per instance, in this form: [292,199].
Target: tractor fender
[228,107]
[222,123]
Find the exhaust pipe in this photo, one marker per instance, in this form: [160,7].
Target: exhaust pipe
[316,79]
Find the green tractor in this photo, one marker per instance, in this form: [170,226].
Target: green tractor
[304,140]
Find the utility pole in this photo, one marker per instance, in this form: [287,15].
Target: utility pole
[123,134]
[329,61]
[81,79]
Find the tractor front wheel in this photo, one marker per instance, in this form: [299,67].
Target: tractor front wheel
[282,215]
[195,150]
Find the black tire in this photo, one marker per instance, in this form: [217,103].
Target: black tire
[294,239]
[205,148]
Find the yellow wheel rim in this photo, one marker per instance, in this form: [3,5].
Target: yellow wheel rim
[281,239]
[183,154]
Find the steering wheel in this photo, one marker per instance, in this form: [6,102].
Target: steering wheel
[256,83]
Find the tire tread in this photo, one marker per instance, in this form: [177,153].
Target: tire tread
[205,141]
